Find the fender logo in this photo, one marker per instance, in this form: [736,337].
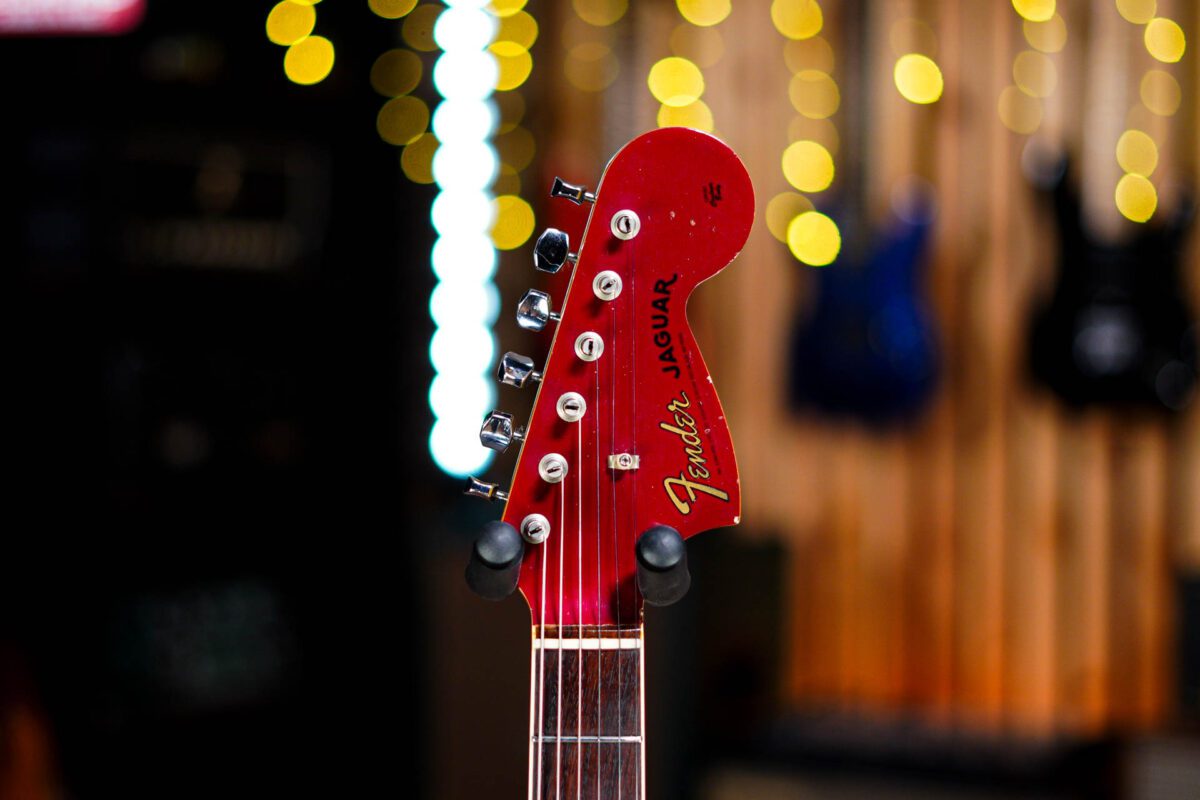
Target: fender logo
[690,480]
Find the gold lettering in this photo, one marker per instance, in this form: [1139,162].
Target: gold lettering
[691,487]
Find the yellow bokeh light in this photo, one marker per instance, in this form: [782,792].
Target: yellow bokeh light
[808,166]
[1139,12]
[1049,36]
[396,72]
[505,8]
[797,19]
[918,79]
[519,28]
[417,30]
[1034,10]
[818,130]
[704,12]
[702,46]
[392,9]
[814,94]
[1165,40]
[309,60]
[416,159]
[675,81]
[694,115]
[1034,73]
[591,66]
[814,239]
[1019,112]
[513,222]
[512,70]
[1137,153]
[814,53]
[600,12]
[290,22]
[402,120]
[516,148]
[1160,92]
[909,35]
[782,209]
[507,182]
[1136,198]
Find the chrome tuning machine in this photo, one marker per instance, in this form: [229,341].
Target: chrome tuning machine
[569,191]
[487,491]
[517,370]
[552,250]
[498,432]
[533,312]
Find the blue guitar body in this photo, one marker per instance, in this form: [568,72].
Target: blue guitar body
[868,350]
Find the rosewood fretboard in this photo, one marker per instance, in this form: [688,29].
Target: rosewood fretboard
[586,731]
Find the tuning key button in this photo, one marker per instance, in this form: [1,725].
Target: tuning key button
[569,191]
[487,491]
[589,346]
[517,370]
[533,312]
[552,250]
[498,432]
[607,285]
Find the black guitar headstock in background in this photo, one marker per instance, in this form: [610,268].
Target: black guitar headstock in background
[1117,329]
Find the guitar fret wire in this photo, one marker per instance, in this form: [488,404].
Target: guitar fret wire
[590,739]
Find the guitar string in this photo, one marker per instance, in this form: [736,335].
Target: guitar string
[617,594]
[541,673]
[600,651]
[579,621]
[641,745]
[562,519]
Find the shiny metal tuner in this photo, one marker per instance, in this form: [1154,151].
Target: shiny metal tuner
[498,432]
[533,312]
[517,370]
[569,191]
[488,491]
[552,250]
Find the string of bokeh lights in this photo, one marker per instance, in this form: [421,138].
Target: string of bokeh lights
[1035,78]
[677,81]
[308,58]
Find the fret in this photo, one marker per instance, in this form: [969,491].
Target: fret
[586,730]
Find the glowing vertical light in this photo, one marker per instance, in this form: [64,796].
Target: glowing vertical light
[465,301]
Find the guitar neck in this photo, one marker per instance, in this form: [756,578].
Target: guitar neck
[585,713]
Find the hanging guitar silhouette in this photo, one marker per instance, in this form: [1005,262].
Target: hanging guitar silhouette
[625,455]
[867,350]
[1116,329]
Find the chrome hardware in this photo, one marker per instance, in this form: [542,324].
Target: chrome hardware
[624,461]
[607,285]
[535,529]
[533,312]
[589,346]
[571,407]
[517,370]
[552,468]
[569,191]
[498,432]
[488,491]
[625,224]
[552,250]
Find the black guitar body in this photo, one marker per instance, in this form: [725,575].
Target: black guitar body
[1116,330]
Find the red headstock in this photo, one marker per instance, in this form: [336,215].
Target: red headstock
[652,447]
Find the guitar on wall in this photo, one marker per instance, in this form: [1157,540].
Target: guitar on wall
[626,453]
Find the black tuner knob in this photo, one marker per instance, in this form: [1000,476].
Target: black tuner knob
[569,191]
[662,571]
[495,563]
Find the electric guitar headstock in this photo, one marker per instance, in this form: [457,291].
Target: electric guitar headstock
[627,452]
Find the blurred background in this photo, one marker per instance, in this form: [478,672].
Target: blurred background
[265,257]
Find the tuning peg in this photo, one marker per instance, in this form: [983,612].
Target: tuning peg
[662,571]
[495,564]
[517,370]
[488,491]
[569,191]
[498,433]
[533,312]
[551,250]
